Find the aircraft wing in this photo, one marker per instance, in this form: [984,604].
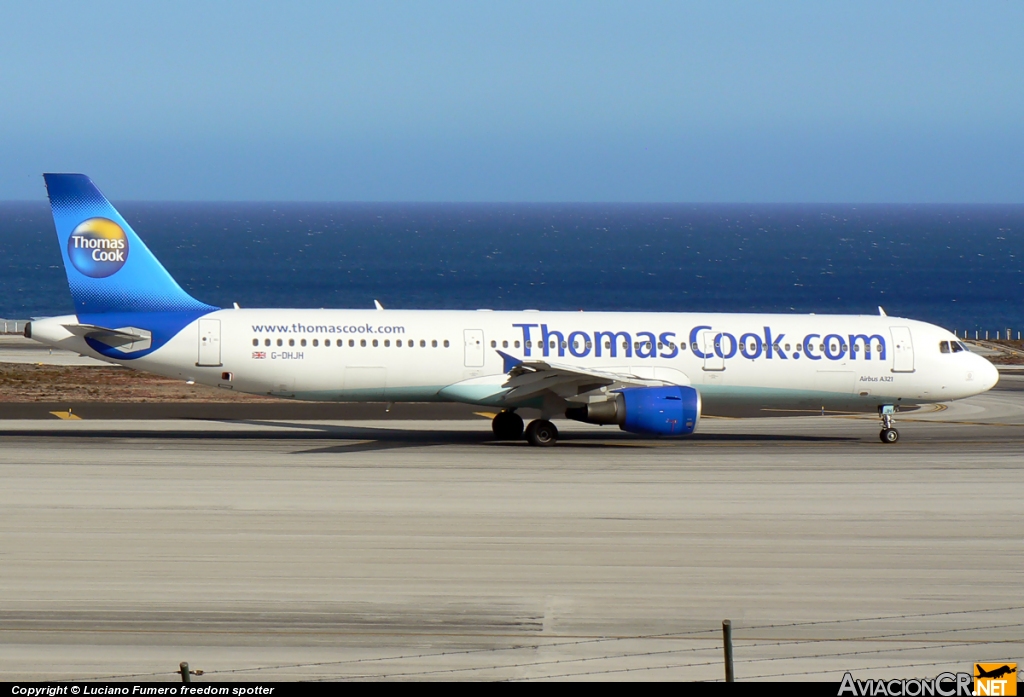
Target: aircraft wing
[528,379]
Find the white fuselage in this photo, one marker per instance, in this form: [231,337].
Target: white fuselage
[757,360]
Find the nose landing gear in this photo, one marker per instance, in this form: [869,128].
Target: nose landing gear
[888,433]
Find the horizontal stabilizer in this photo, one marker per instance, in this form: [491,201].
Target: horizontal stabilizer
[124,339]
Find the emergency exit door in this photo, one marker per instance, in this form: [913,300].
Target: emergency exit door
[712,348]
[209,342]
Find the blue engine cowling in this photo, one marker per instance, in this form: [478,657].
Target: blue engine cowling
[658,411]
[663,411]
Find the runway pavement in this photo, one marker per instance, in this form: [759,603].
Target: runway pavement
[400,549]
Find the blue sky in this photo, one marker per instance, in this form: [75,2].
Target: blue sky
[518,101]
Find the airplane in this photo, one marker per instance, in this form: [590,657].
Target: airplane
[996,672]
[648,373]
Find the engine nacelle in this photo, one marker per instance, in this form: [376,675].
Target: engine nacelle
[661,411]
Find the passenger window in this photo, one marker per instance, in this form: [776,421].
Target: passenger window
[494,344]
[352,342]
[280,342]
[504,344]
[423,343]
[387,343]
[446,343]
[552,344]
[516,344]
[563,344]
[787,347]
[291,342]
[316,342]
[529,344]
[375,343]
[694,345]
[607,344]
[362,342]
[266,342]
[589,345]
[943,347]
[255,342]
[327,342]
[682,345]
[398,343]
[433,343]
[303,342]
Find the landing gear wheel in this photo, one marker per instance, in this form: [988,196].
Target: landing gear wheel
[507,425]
[889,435]
[541,432]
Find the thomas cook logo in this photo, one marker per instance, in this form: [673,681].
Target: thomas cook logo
[98,247]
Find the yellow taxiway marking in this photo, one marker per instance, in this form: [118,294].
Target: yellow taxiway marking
[66,415]
[485,414]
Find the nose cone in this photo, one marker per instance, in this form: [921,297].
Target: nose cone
[988,375]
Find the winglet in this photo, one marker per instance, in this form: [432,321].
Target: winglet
[510,361]
[881,312]
[377,305]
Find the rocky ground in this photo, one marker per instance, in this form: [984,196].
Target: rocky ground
[50,383]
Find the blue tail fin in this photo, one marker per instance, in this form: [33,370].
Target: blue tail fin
[109,268]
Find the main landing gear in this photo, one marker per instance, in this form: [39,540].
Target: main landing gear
[508,425]
[541,432]
[888,433]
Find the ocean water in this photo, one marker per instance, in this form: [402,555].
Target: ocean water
[961,267]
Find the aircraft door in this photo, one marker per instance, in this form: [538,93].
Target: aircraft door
[474,348]
[712,360]
[209,342]
[902,350]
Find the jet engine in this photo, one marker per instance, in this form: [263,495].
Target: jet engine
[655,411]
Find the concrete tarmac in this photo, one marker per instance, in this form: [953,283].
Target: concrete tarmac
[270,550]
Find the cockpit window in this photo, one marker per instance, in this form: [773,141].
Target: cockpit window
[957,346]
[943,347]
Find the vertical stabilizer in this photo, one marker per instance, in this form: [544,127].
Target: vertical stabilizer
[109,269]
